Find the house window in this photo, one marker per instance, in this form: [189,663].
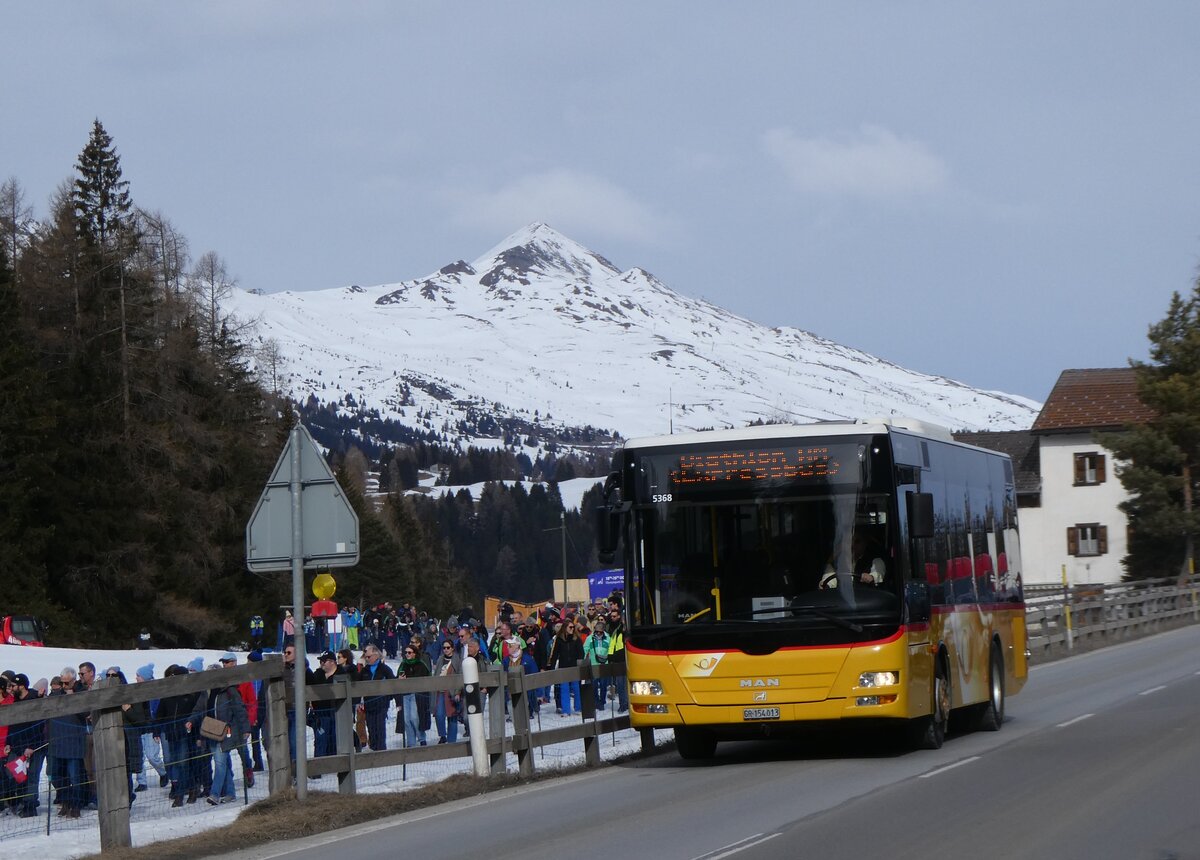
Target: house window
[1089,469]
[1087,539]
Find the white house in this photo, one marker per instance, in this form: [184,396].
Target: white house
[1067,489]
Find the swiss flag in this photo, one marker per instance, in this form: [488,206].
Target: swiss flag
[19,768]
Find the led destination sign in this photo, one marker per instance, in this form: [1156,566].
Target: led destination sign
[727,468]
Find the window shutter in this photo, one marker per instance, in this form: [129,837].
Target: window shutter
[1102,533]
[1080,466]
[1100,458]
[1072,540]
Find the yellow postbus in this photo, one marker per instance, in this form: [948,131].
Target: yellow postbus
[838,571]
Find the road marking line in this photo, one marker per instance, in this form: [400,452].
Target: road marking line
[740,845]
[948,767]
[1074,721]
[1153,690]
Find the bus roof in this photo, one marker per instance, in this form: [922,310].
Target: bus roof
[855,427]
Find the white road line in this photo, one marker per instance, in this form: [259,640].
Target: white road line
[1153,690]
[948,767]
[740,845]
[1074,721]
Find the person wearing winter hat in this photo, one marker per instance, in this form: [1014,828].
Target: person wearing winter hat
[27,740]
[151,748]
[174,715]
[196,665]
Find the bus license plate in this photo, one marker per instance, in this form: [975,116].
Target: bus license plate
[760,714]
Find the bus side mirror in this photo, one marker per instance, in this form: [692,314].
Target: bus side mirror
[920,515]
[608,532]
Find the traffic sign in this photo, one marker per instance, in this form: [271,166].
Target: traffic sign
[327,524]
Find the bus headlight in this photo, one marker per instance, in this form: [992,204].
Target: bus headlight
[879,679]
[645,688]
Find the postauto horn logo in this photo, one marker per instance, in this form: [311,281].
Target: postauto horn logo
[699,665]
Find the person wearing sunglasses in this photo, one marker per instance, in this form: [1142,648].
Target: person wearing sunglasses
[415,706]
[446,702]
[566,652]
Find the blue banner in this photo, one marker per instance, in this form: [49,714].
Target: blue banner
[602,583]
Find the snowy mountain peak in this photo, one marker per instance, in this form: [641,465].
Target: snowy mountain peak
[540,250]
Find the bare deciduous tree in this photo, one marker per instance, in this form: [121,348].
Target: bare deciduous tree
[16,221]
[270,363]
[211,284]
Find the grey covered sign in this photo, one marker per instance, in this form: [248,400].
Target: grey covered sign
[328,526]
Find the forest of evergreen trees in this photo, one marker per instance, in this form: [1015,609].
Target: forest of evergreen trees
[135,438]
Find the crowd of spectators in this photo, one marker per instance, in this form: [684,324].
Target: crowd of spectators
[163,740]
[165,746]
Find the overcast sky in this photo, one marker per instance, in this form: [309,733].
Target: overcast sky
[991,192]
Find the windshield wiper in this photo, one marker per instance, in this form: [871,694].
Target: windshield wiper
[829,616]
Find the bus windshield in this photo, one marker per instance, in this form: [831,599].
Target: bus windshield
[790,538]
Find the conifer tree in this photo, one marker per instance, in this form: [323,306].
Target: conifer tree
[1162,471]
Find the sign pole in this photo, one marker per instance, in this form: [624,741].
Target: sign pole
[300,644]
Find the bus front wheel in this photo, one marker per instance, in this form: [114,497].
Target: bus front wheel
[694,744]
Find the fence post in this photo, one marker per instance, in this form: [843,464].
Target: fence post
[518,686]
[344,728]
[496,723]
[112,780]
[279,762]
[587,697]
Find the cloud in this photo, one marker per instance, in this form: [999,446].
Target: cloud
[875,163]
[566,199]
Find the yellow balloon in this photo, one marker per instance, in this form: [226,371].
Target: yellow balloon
[323,586]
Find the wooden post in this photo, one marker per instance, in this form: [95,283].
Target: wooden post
[496,724]
[587,698]
[279,763]
[112,779]
[522,735]
[345,738]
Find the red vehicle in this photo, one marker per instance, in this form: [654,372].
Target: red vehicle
[23,630]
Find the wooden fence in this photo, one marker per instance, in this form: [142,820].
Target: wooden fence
[104,705]
[1083,617]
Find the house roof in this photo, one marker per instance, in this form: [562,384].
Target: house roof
[1022,448]
[1092,399]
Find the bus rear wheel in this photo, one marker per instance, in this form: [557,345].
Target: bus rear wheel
[990,715]
[929,732]
[694,744]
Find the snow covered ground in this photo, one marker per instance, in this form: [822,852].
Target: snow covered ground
[152,818]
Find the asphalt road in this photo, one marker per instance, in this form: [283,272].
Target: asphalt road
[1099,758]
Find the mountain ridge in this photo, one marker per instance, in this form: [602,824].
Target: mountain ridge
[542,329]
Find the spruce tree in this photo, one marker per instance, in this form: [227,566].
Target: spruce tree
[1162,471]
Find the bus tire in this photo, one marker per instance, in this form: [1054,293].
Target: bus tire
[989,716]
[694,744]
[929,732]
